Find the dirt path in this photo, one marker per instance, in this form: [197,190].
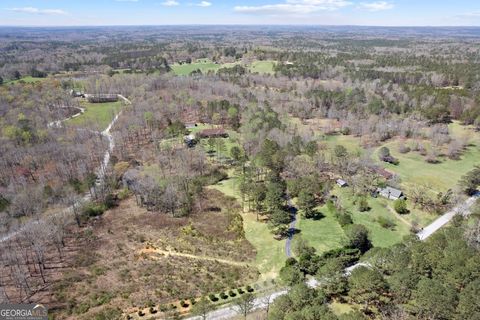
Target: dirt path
[192,256]
[399,217]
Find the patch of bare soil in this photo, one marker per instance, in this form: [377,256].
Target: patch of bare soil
[139,258]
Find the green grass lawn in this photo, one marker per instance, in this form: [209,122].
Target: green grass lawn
[206,65]
[28,79]
[340,308]
[380,236]
[351,143]
[97,115]
[413,169]
[232,140]
[270,252]
[262,66]
[323,234]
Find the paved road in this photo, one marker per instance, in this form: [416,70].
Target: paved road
[463,208]
[291,227]
[231,312]
[101,170]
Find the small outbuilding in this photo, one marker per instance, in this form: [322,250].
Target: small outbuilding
[342,183]
[190,125]
[190,140]
[391,193]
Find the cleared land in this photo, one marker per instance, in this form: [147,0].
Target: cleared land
[28,79]
[137,258]
[206,65]
[270,256]
[414,170]
[203,65]
[97,115]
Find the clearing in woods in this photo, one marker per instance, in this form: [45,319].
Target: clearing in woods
[97,115]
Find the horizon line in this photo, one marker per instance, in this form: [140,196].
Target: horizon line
[240,25]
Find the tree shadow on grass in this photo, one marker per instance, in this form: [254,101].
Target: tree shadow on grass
[315,216]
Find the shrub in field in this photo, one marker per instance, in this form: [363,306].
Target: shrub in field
[141,313]
[363,205]
[153,310]
[250,289]
[240,291]
[400,206]
[386,223]
[231,293]
[223,296]
[184,304]
[213,298]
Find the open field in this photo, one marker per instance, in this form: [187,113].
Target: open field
[97,115]
[323,234]
[414,170]
[205,65]
[270,252]
[380,207]
[262,66]
[28,79]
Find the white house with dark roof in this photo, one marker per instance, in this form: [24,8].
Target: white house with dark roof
[342,183]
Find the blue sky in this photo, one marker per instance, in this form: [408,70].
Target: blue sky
[163,12]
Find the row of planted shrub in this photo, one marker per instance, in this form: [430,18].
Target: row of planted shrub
[230,294]
[185,303]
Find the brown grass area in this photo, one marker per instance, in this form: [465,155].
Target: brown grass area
[142,258]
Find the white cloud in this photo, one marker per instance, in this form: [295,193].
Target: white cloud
[377,6]
[204,4]
[473,14]
[33,10]
[170,3]
[294,7]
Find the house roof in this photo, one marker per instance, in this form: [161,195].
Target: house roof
[211,132]
[392,192]
[383,172]
[341,181]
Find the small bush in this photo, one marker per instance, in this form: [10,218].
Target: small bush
[250,289]
[141,313]
[231,293]
[184,304]
[403,149]
[400,206]
[240,291]
[153,310]
[363,205]
[213,298]
[193,301]
[223,295]
[110,201]
[93,210]
[386,223]
[344,219]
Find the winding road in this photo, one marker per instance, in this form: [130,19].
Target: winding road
[101,170]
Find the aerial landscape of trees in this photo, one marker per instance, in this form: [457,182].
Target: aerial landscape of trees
[159,173]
